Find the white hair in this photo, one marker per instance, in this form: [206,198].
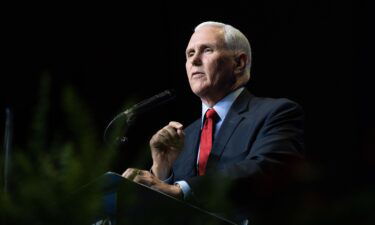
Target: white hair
[234,40]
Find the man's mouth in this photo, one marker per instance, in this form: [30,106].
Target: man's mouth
[197,74]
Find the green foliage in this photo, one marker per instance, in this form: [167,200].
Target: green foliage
[53,165]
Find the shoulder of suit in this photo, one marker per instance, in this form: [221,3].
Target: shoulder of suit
[273,101]
[271,104]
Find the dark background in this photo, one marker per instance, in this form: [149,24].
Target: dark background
[317,53]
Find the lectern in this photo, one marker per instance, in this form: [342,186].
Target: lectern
[129,203]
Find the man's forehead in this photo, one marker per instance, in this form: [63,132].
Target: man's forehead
[206,35]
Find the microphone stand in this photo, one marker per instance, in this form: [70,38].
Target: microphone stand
[142,107]
[129,120]
[8,148]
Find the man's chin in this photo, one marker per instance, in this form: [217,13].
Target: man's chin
[199,91]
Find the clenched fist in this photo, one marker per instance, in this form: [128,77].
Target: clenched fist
[165,146]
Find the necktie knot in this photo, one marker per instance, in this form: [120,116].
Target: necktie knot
[210,114]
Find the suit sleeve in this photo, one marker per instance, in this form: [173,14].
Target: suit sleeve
[270,162]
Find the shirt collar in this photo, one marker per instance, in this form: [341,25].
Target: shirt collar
[222,107]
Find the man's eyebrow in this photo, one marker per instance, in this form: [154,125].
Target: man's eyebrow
[207,45]
[189,50]
[200,47]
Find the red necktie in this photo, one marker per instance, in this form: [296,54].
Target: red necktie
[206,141]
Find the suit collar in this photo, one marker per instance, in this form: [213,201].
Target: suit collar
[223,106]
[242,102]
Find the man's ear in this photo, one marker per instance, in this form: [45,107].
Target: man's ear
[240,60]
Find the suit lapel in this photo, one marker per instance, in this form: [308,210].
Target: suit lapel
[189,155]
[232,120]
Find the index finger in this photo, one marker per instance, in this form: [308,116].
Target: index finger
[176,125]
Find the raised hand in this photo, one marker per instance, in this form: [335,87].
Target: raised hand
[165,146]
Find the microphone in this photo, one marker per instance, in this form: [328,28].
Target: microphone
[142,107]
[152,102]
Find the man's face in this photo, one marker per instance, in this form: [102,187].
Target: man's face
[209,64]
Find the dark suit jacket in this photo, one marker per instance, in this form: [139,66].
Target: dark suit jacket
[255,150]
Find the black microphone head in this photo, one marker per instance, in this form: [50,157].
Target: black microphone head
[154,101]
[170,92]
[167,94]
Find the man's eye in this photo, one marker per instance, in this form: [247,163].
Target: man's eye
[190,54]
[208,50]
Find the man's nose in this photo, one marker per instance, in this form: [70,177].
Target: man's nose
[196,60]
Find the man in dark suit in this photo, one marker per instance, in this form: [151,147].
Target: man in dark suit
[242,147]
